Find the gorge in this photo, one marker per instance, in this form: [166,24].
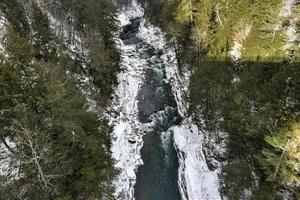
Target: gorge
[152,128]
[149,99]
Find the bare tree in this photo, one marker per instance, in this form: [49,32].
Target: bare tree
[32,146]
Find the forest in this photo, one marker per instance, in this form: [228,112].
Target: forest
[59,71]
[58,148]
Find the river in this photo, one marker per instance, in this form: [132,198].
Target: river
[157,149]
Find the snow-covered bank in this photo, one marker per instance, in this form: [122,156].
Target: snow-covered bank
[287,8]
[292,35]
[128,131]
[127,134]
[285,12]
[197,181]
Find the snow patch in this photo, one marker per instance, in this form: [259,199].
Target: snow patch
[3,25]
[285,12]
[8,167]
[292,34]
[287,7]
[291,31]
[235,52]
[238,38]
[125,105]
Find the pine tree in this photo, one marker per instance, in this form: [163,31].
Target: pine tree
[284,157]
[186,11]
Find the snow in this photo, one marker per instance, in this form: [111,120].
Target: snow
[287,7]
[238,38]
[291,31]
[236,51]
[76,50]
[128,131]
[3,23]
[292,35]
[8,166]
[196,181]
[285,12]
[200,182]
[152,35]
[128,13]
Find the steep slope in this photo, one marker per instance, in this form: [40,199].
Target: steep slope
[55,139]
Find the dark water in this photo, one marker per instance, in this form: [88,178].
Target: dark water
[157,178]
